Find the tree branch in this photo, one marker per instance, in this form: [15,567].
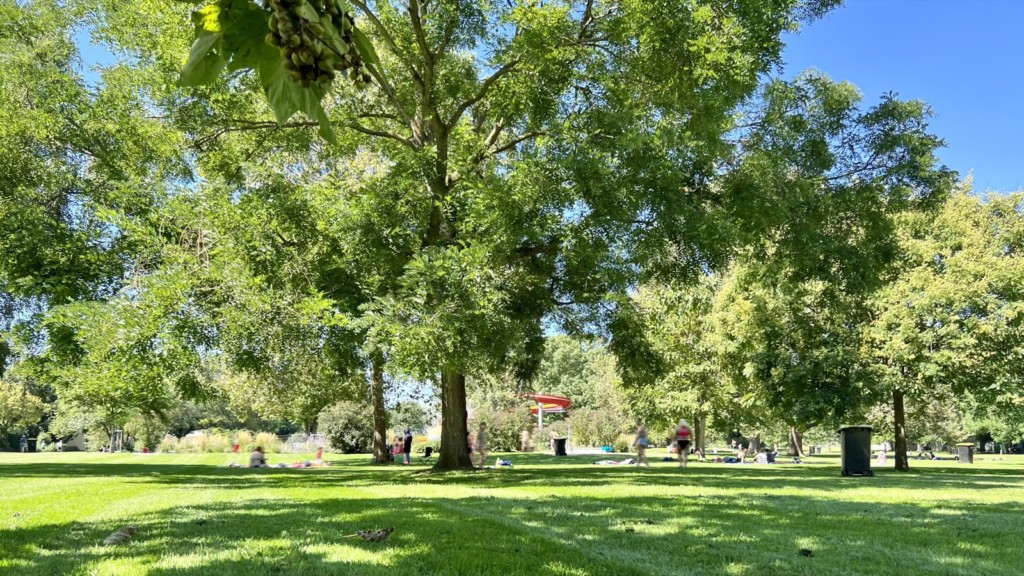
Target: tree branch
[588,17]
[484,89]
[513,143]
[416,16]
[449,31]
[380,133]
[246,125]
[389,40]
[546,248]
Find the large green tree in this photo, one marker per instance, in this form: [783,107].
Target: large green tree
[528,159]
[71,152]
[951,323]
[790,352]
[813,189]
[679,329]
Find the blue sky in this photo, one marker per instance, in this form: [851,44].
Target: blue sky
[964,57]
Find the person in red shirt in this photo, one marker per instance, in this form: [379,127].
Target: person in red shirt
[683,442]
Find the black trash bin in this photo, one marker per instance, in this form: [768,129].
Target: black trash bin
[855,446]
[560,447]
[966,453]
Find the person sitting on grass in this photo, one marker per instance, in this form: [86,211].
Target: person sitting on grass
[257,459]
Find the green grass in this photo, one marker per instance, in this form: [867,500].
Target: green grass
[546,516]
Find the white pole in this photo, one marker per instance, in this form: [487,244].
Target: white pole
[540,416]
[568,420]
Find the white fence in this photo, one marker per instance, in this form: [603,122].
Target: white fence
[299,442]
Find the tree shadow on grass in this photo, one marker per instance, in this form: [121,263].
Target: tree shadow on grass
[547,535]
[721,476]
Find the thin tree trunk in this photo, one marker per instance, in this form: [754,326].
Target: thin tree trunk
[380,416]
[796,442]
[900,425]
[454,433]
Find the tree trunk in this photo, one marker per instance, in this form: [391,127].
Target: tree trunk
[700,433]
[454,433]
[380,416]
[796,442]
[755,444]
[900,425]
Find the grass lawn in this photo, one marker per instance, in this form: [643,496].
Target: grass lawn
[547,516]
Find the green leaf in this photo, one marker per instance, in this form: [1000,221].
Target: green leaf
[306,11]
[308,102]
[326,131]
[286,97]
[205,60]
[365,47]
[247,48]
[279,89]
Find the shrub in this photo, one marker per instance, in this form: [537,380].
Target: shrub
[147,430]
[244,438]
[269,442]
[220,441]
[598,427]
[348,427]
[168,444]
[197,443]
[418,446]
[623,443]
[504,427]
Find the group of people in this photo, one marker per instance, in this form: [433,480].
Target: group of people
[401,447]
[681,441]
[258,459]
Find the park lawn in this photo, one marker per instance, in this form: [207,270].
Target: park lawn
[545,516]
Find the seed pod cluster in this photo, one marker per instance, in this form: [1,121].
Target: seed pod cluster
[301,41]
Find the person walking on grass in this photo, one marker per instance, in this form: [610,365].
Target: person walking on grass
[683,442]
[24,443]
[481,443]
[407,446]
[640,443]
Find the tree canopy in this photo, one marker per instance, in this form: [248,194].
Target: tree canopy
[487,172]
